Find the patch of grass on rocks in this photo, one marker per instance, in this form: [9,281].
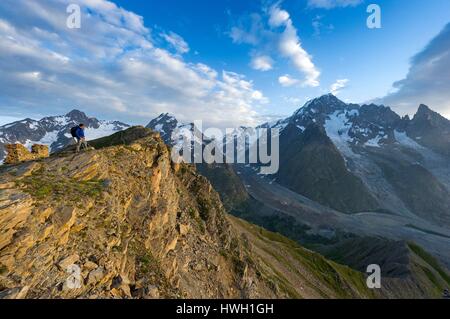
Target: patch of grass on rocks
[42,185]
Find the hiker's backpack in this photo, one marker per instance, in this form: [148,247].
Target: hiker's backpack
[73,131]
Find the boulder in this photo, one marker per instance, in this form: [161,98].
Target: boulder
[17,153]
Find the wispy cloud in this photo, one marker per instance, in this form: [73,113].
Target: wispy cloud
[249,30]
[278,17]
[176,41]
[428,79]
[112,66]
[275,28]
[337,86]
[287,81]
[262,63]
[290,46]
[319,26]
[330,4]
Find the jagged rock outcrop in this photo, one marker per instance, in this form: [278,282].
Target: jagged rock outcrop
[430,129]
[17,153]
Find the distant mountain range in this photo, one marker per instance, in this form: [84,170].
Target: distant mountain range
[357,158]
[54,131]
[367,158]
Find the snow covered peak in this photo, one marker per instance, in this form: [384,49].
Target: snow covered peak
[165,118]
[326,104]
[165,124]
[76,113]
[78,117]
[328,98]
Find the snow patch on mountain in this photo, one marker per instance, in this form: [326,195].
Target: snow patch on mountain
[159,128]
[337,127]
[105,129]
[375,142]
[48,139]
[404,140]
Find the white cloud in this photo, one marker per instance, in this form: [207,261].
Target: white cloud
[259,96]
[262,63]
[337,86]
[240,36]
[278,17]
[275,29]
[287,80]
[111,66]
[428,79]
[330,4]
[249,31]
[176,41]
[290,47]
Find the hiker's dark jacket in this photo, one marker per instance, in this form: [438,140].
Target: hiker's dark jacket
[79,133]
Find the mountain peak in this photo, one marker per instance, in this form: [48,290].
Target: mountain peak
[162,119]
[424,112]
[165,124]
[324,104]
[423,108]
[166,117]
[76,115]
[328,98]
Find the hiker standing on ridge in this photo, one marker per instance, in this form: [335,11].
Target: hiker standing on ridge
[78,134]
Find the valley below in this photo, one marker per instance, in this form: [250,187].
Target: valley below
[323,220]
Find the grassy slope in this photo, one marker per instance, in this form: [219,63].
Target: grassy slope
[298,272]
[301,273]
[430,269]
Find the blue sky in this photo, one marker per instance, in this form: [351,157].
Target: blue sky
[372,60]
[227,62]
